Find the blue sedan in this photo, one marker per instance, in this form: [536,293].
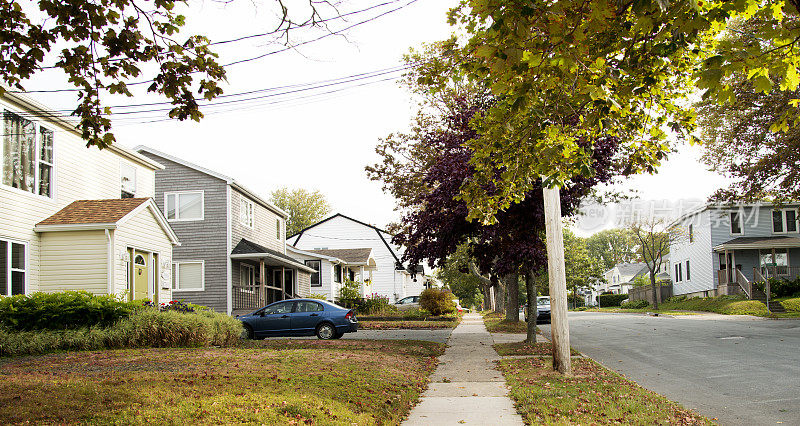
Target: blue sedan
[300,317]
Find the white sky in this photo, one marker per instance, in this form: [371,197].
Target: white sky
[325,142]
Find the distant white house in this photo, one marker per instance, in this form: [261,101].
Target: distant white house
[334,266]
[389,278]
[619,279]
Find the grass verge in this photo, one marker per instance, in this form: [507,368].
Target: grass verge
[523,348]
[269,382]
[496,324]
[593,395]
[389,325]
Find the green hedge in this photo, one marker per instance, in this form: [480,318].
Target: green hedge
[58,311]
[143,328]
[791,305]
[609,300]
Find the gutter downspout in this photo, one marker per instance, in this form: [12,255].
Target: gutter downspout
[109,263]
[228,264]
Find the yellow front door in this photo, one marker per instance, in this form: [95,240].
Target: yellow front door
[141,274]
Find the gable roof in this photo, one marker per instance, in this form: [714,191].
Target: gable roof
[229,180]
[630,269]
[247,248]
[379,231]
[102,214]
[351,256]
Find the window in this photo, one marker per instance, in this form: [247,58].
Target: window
[337,273]
[288,280]
[184,205]
[278,229]
[351,274]
[28,162]
[677,274]
[188,276]
[127,177]
[13,271]
[680,272]
[246,213]
[736,223]
[691,233]
[688,272]
[784,221]
[247,276]
[279,308]
[315,277]
[306,306]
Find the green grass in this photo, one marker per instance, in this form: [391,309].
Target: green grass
[496,324]
[726,305]
[389,325]
[593,395]
[791,304]
[263,382]
[523,348]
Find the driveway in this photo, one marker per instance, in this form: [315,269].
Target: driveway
[739,370]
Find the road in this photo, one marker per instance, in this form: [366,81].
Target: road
[742,371]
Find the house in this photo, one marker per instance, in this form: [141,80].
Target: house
[389,278]
[77,218]
[233,254]
[619,279]
[334,266]
[718,249]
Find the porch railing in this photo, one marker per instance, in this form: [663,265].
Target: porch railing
[790,273]
[743,282]
[247,297]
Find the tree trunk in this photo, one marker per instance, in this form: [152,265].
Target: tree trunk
[656,291]
[499,295]
[533,307]
[487,297]
[559,326]
[512,297]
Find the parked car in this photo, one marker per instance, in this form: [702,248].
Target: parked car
[300,317]
[407,303]
[542,308]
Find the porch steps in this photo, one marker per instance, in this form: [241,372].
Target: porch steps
[774,307]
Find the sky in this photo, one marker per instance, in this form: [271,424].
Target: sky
[323,141]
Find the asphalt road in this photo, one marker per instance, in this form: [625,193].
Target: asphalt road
[740,371]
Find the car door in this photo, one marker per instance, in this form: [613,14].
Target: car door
[306,317]
[275,320]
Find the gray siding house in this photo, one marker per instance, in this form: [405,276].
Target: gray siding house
[233,253]
[718,250]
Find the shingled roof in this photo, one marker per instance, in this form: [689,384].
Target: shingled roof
[352,256]
[94,211]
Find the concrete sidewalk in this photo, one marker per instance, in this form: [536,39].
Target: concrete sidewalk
[465,388]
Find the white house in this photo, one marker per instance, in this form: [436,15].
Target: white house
[389,277]
[619,279]
[76,218]
[334,266]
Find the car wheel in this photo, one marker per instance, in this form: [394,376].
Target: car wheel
[248,332]
[326,331]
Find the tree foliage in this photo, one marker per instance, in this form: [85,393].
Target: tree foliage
[454,274]
[568,71]
[653,239]
[612,246]
[304,207]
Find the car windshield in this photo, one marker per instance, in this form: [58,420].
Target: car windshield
[543,301]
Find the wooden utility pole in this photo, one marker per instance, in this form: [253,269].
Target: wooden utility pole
[559,327]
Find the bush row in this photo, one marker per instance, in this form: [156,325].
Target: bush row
[58,311]
[609,300]
[142,328]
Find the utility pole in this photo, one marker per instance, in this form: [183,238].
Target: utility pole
[559,328]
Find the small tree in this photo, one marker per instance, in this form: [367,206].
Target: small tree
[653,242]
[437,301]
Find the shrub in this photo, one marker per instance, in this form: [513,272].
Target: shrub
[143,328]
[318,296]
[437,301]
[635,304]
[791,305]
[608,300]
[71,309]
[375,304]
[350,292]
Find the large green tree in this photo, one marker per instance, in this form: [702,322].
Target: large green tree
[304,207]
[612,246]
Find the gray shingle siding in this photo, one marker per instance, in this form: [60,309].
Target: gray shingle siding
[203,239]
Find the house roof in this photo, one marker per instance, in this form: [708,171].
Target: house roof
[379,231]
[357,255]
[781,241]
[94,211]
[229,180]
[103,214]
[709,206]
[248,249]
[630,269]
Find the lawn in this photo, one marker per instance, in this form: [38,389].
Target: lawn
[593,395]
[523,348]
[496,324]
[726,305]
[389,325]
[263,382]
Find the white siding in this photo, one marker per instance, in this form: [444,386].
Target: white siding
[263,231]
[699,253]
[80,174]
[142,232]
[74,260]
[342,233]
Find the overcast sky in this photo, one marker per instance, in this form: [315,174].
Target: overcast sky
[319,140]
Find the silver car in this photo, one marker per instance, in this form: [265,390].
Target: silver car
[542,308]
[407,303]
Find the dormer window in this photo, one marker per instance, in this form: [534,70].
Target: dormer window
[28,162]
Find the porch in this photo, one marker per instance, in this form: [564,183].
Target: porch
[261,276]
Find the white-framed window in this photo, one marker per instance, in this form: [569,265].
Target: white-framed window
[247,275]
[13,267]
[127,179]
[784,221]
[188,275]
[246,213]
[688,272]
[187,205]
[736,223]
[316,265]
[28,155]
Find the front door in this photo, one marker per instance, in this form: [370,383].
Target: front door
[141,276]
